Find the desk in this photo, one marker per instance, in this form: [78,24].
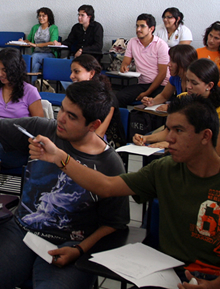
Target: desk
[124,79]
[141,107]
[112,241]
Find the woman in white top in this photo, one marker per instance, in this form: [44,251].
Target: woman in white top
[173,31]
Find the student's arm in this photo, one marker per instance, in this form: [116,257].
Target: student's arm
[91,180]
[125,64]
[101,130]
[153,138]
[185,42]
[161,97]
[202,284]
[69,254]
[36,108]
[162,71]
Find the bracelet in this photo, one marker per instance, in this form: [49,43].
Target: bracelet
[79,248]
[65,163]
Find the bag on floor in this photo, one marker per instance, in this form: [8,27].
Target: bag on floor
[46,87]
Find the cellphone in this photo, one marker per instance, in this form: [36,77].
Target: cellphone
[24,131]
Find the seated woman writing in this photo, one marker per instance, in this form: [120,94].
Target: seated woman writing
[202,79]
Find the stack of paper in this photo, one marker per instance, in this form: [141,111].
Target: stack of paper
[139,150]
[141,265]
[17,43]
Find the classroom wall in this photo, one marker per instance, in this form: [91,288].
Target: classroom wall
[118,17]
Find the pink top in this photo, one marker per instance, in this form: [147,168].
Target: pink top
[19,109]
[147,58]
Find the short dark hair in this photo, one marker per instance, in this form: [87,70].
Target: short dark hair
[199,112]
[92,97]
[89,11]
[150,20]
[176,14]
[182,55]
[213,26]
[47,12]
[15,67]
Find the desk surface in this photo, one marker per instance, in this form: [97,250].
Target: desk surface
[141,107]
[112,241]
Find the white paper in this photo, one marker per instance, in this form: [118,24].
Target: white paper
[141,264]
[154,108]
[17,43]
[130,74]
[58,46]
[139,150]
[39,246]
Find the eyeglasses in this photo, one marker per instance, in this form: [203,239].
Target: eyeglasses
[43,16]
[141,25]
[167,17]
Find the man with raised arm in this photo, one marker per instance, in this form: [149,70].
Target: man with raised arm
[187,185]
[55,207]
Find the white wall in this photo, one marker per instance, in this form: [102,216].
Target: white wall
[118,17]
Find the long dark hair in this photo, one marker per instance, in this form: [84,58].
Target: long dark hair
[213,26]
[176,14]
[182,55]
[47,12]
[206,70]
[15,68]
[90,63]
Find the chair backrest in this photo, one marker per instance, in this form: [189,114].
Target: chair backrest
[124,112]
[6,36]
[152,224]
[57,69]
[47,108]
[28,60]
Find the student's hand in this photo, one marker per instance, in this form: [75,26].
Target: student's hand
[124,68]
[21,39]
[161,145]
[32,44]
[202,284]
[147,101]
[64,256]
[141,95]
[78,53]
[56,43]
[46,152]
[162,107]
[138,139]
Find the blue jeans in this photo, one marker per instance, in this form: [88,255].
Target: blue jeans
[17,263]
[12,159]
[37,60]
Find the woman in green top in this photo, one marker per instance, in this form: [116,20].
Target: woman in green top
[42,35]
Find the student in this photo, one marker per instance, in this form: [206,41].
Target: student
[187,184]
[151,57]
[18,98]
[87,34]
[52,205]
[211,40]
[42,34]
[201,79]
[181,56]
[86,67]
[173,31]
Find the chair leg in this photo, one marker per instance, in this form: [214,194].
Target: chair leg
[96,285]
[123,285]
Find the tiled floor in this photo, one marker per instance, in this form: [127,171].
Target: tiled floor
[135,163]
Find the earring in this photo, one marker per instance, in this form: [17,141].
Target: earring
[206,89]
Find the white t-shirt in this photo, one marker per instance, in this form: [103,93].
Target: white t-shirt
[182,33]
